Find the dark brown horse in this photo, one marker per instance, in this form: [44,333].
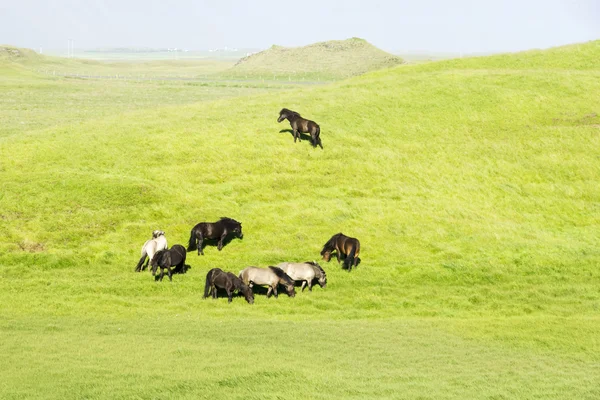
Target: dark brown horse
[300,125]
[342,245]
[217,278]
[165,259]
[213,230]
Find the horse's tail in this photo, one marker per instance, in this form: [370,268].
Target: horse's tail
[318,137]
[208,283]
[138,267]
[350,258]
[192,242]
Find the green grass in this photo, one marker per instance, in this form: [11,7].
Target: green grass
[472,185]
[325,61]
[42,91]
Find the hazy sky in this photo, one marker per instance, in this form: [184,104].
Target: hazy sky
[403,25]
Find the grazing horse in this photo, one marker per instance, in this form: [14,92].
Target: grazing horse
[305,272]
[343,245]
[300,125]
[213,230]
[158,242]
[216,278]
[270,277]
[164,259]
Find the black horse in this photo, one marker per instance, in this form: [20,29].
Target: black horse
[342,245]
[217,278]
[300,125]
[165,259]
[213,230]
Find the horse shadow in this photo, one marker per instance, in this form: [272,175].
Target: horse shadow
[222,293]
[343,258]
[260,290]
[214,242]
[183,270]
[263,290]
[303,136]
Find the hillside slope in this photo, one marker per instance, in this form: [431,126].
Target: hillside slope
[473,187]
[329,60]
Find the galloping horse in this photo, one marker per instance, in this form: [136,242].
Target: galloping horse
[217,278]
[270,277]
[343,245]
[305,272]
[213,230]
[158,242]
[164,259]
[300,125]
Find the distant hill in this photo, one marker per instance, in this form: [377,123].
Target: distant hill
[17,54]
[331,60]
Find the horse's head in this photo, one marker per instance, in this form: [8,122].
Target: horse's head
[248,294]
[285,113]
[157,233]
[326,253]
[154,263]
[291,290]
[157,260]
[237,229]
[282,115]
[321,276]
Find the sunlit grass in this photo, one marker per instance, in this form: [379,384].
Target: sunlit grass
[472,185]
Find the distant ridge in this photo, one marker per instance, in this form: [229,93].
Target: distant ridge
[17,54]
[334,59]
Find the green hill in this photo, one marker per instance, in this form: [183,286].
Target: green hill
[473,185]
[331,60]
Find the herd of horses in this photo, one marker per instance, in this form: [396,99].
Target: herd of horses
[156,254]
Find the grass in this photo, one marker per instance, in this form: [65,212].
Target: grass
[41,91]
[472,185]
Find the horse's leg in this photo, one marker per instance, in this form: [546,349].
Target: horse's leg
[170,273]
[220,243]
[162,273]
[303,285]
[275,290]
[309,284]
[269,292]
[297,135]
[200,241]
[229,294]
[214,291]
[337,254]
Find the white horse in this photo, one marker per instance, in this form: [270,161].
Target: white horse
[149,249]
[305,272]
[271,277]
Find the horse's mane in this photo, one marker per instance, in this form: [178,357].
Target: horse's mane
[282,275]
[158,255]
[288,111]
[316,265]
[330,243]
[229,221]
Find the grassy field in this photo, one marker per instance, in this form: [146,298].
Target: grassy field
[41,91]
[473,185]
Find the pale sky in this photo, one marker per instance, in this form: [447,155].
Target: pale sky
[467,26]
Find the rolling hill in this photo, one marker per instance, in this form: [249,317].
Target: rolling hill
[331,60]
[473,185]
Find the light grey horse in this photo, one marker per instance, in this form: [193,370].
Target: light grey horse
[149,249]
[270,277]
[305,272]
